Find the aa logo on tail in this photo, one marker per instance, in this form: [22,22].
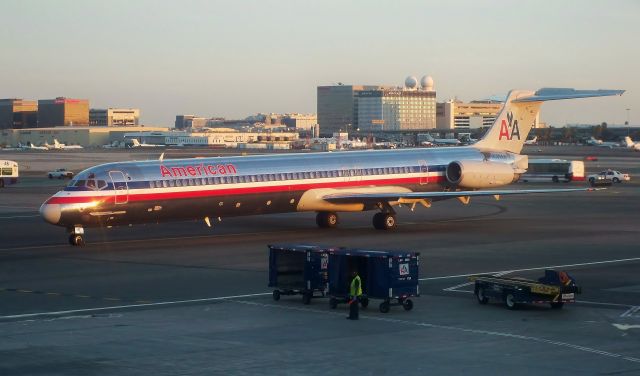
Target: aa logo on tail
[511,130]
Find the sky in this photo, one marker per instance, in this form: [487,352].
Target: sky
[237,58]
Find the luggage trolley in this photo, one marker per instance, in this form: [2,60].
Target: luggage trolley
[298,269]
[555,289]
[388,275]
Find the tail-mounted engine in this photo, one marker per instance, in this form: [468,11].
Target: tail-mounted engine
[480,174]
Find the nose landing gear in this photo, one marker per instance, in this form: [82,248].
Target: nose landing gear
[76,236]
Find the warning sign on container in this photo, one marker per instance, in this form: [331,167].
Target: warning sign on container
[404,269]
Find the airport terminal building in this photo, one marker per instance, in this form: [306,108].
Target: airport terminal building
[84,136]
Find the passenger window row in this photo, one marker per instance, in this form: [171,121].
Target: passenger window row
[283,176]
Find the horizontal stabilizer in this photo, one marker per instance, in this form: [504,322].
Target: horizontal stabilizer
[390,197]
[552,94]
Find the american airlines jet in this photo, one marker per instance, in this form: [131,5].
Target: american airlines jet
[125,193]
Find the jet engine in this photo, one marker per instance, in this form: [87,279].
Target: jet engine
[477,174]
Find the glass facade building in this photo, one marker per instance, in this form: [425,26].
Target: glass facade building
[396,109]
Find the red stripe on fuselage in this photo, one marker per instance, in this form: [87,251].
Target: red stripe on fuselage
[240,191]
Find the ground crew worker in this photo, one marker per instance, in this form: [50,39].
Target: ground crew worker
[355,292]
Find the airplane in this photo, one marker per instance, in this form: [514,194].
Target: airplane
[30,146]
[136,144]
[114,145]
[58,146]
[533,141]
[597,142]
[630,144]
[134,192]
[441,141]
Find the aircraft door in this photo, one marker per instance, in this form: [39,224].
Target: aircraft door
[121,189]
[424,172]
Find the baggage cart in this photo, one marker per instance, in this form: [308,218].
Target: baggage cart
[298,270]
[391,276]
[555,289]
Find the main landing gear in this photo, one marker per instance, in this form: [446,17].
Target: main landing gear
[385,220]
[76,236]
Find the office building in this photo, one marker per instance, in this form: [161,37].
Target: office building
[114,117]
[192,121]
[337,107]
[63,111]
[458,115]
[407,108]
[18,114]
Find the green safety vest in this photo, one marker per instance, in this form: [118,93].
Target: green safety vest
[356,286]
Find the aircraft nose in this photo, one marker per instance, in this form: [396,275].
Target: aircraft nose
[51,213]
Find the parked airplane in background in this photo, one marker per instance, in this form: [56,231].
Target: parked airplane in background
[58,146]
[114,145]
[441,141]
[30,146]
[597,142]
[136,144]
[533,141]
[125,193]
[628,142]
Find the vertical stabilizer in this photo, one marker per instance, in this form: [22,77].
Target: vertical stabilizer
[520,113]
[512,126]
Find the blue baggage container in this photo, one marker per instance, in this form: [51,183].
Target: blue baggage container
[388,275]
[298,269]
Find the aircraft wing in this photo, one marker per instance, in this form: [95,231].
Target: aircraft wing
[346,197]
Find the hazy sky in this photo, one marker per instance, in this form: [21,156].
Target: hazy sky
[236,58]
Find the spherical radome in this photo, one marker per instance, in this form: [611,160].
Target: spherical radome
[426,82]
[411,82]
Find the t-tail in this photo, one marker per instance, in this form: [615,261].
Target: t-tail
[520,113]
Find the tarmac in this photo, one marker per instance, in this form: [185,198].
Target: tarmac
[182,298]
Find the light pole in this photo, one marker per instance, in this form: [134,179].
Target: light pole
[627,123]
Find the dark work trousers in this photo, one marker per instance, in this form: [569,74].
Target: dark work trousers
[354,309]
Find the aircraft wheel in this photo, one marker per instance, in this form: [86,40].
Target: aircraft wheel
[384,221]
[327,219]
